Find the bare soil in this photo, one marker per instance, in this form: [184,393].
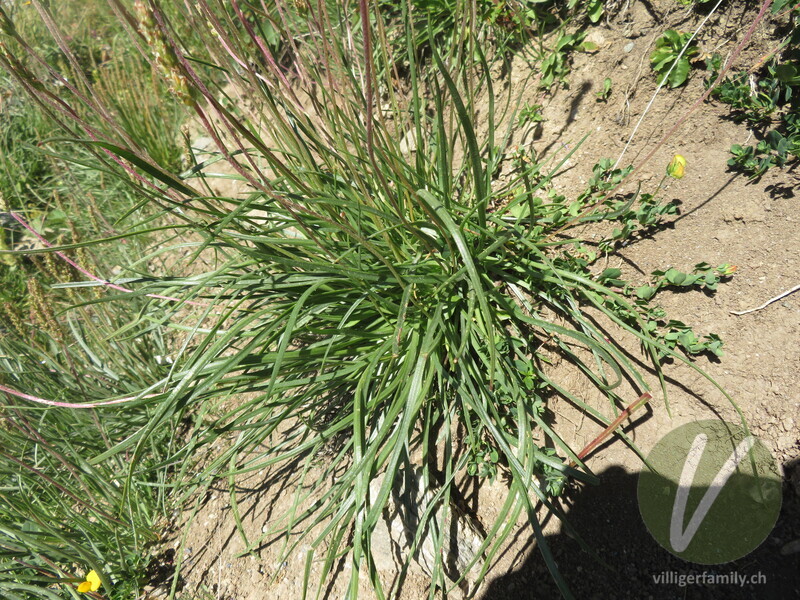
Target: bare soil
[724,218]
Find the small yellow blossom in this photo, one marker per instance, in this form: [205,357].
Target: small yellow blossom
[92,583]
[676,167]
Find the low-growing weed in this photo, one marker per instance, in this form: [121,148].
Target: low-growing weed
[555,66]
[768,100]
[775,150]
[529,114]
[670,59]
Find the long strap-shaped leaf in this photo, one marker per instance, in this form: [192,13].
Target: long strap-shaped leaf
[148,168]
[469,133]
[446,221]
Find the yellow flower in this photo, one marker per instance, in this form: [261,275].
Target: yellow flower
[92,583]
[676,167]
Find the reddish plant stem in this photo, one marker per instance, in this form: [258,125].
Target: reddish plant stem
[90,275]
[641,401]
[18,394]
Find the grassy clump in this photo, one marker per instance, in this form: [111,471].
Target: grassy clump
[69,499]
[383,291]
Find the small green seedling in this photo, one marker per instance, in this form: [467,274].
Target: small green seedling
[668,48]
[603,94]
[675,334]
[555,67]
[704,276]
[530,113]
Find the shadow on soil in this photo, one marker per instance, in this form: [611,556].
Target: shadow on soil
[607,518]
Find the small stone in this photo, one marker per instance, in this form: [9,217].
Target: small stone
[203,143]
[596,37]
[628,47]
[407,503]
[792,547]
[409,142]
[155,593]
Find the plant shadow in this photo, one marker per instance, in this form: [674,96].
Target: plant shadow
[629,563]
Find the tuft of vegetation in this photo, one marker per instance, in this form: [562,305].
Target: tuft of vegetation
[767,98]
[670,59]
[70,501]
